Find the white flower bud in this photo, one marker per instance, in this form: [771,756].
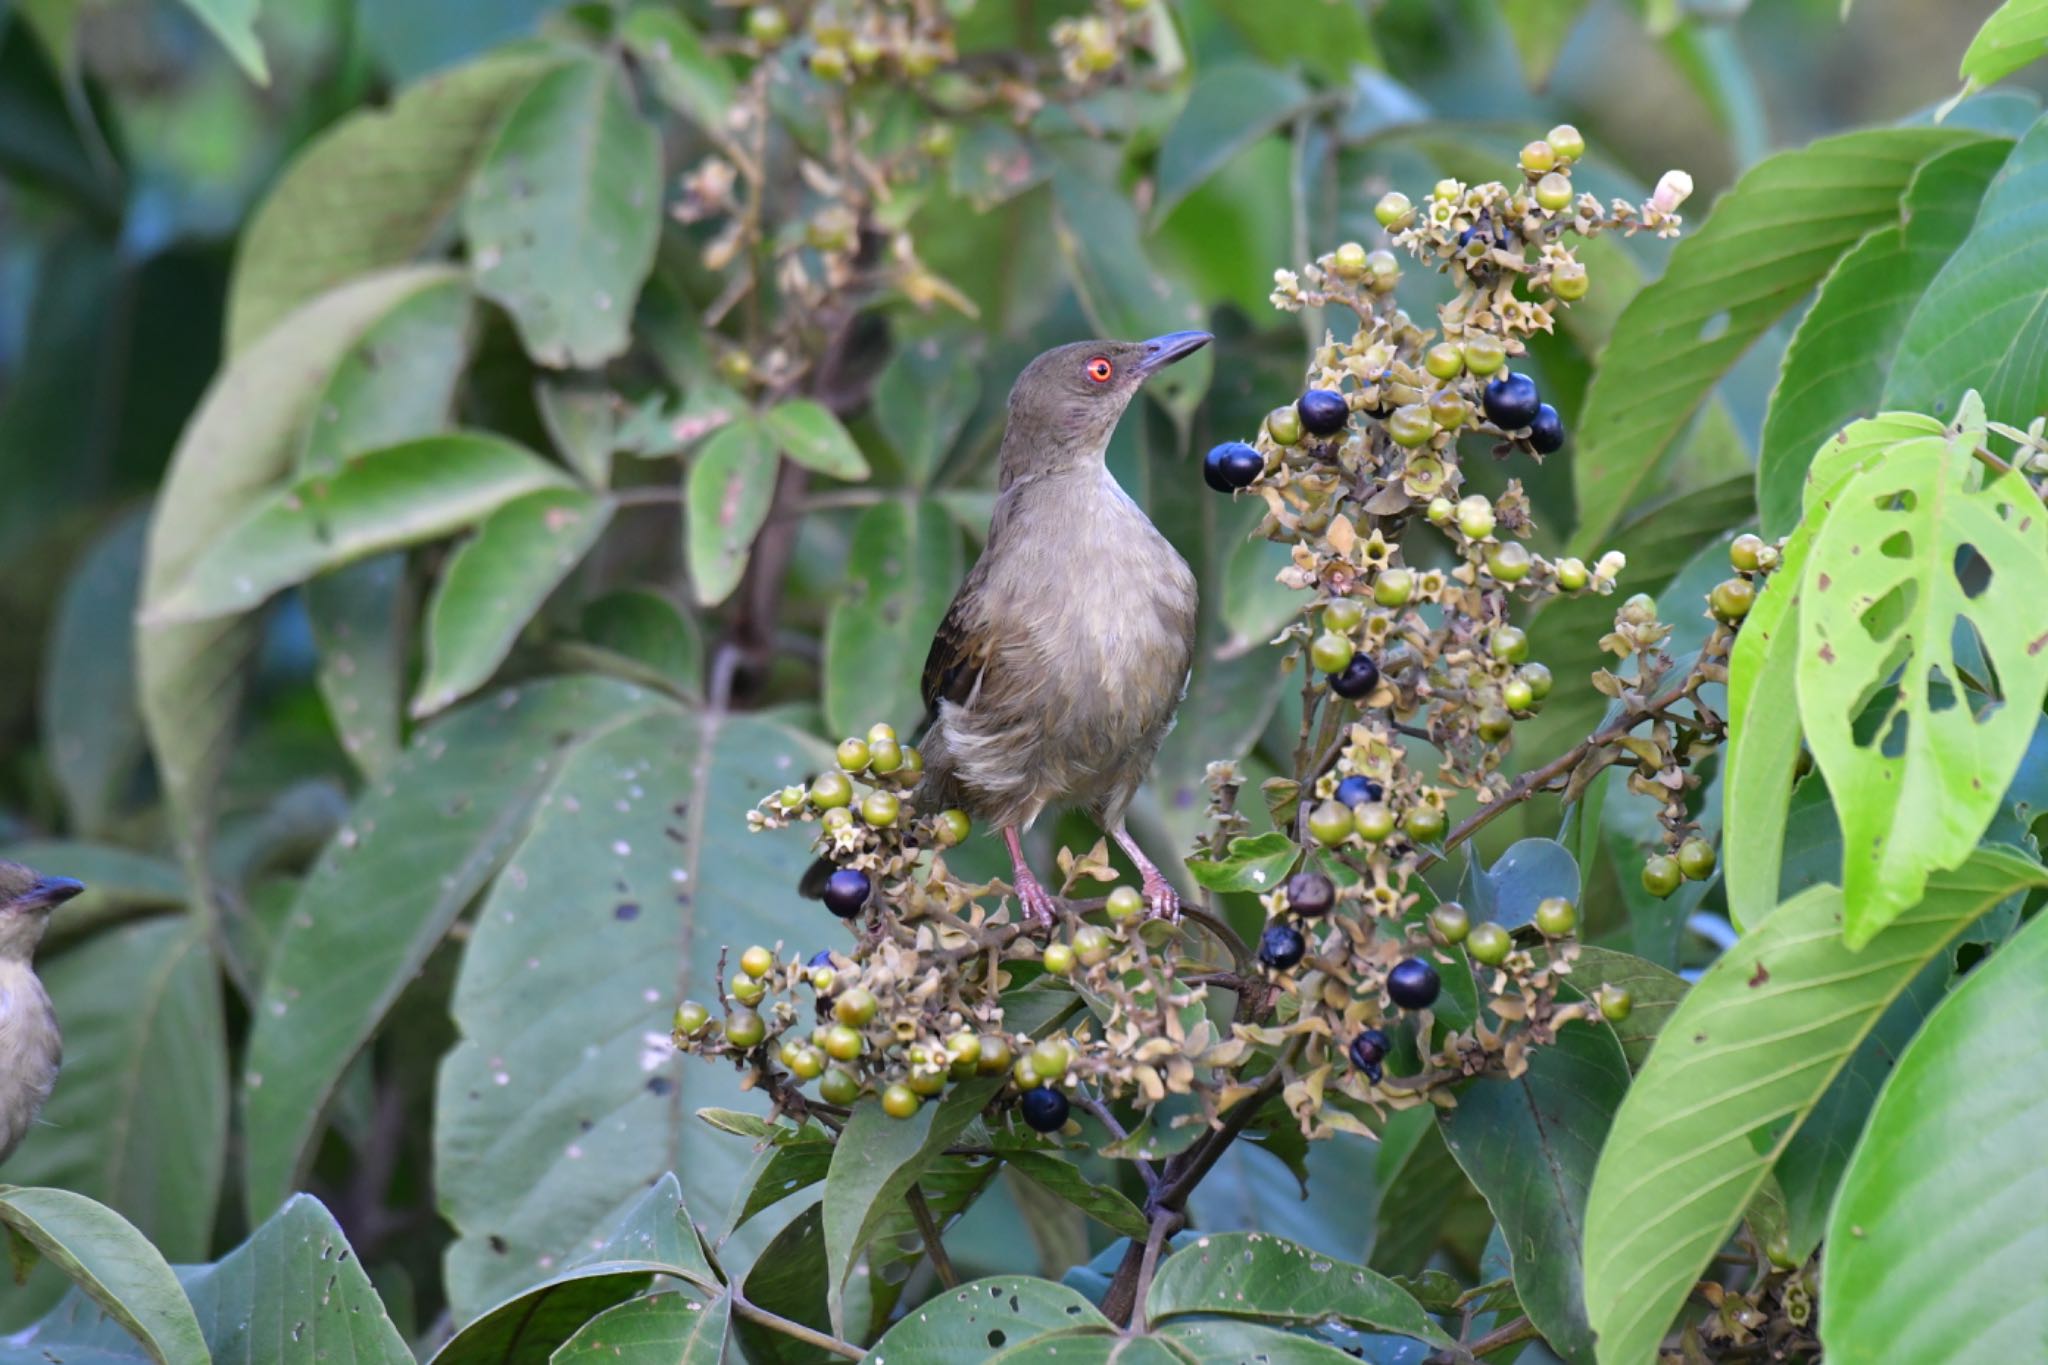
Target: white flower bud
[1610,566]
[1674,189]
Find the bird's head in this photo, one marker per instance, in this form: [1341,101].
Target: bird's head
[1066,403]
[26,900]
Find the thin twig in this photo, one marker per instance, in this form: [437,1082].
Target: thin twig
[775,1322]
[1148,1265]
[934,1246]
[1092,1105]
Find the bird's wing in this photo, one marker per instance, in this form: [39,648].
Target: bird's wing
[960,650]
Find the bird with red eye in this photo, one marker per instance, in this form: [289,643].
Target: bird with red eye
[1100,370]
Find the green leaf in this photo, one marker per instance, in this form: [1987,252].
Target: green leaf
[234,23]
[1934,1249]
[1656,993]
[924,396]
[809,434]
[361,618]
[732,483]
[636,870]
[1063,1180]
[1983,322]
[1882,586]
[901,571]
[1835,367]
[91,731]
[661,1329]
[683,75]
[564,212]
[788,1278]
[2016,35]
[1256,862]
[1231,105]
[294,1294]
[112,1264]
[1735,1071]
[1530,1146]
[647,626]
[417,848]
[373,191]
[1328,40]
[583,420]
[496,582]
[1540,29]
[1219,1341]
[384,500]
[971,1322]
[1091,1348]
[1527,873]
[1773,236]
[1248,1274]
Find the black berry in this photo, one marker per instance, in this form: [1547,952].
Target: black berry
[1231,466]
[1310,894]
[1511,401]
[1323,411]
[846,891]
[1356,791]
[821,958]
[1045,1108]
[1413,984]
[1281,946]
[1546,431]
[1357,678]
[1368,1050]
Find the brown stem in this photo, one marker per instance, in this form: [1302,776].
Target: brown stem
[1500,1338]
[934,1246]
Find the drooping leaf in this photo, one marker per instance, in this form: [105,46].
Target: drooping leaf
[497,581]
[1883,594]
[91,730]
[418,846]
[563,214]
[1257,862]
[1737,1067]
[647,626]
[1835,368]
[112,1264]
[788,1278]
[901,571]
[688,78]
[1230,106]
[1773,236]
[583,420]
[2015,35]
[1935,1251]
[981,1317]
[1063,1180]
[809,434]
[732,483]
[1248,1274]
[1529,872]
[400,495]
[661,1329]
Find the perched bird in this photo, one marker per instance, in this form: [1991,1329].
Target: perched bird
[1057,670]
[30,1047]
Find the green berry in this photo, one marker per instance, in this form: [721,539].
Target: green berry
[1058,958]
[823,979]
[1489,943]
[952,827]
[1556,916]
[1554,191]
[1124,902]
[1283,424]
[1538,157]
[831,791]
[806,1063]
[842,1043]
[926,1082]
[1508,561]
[1448,410]
[964,1047]
[1329,653]
[1571,574]
[830,64]
[1569,281]
[1342,616]
[1023,1075]
[1495,724]
[1446,188]
[1475,517]
[1330,824]
[1411,425]
[1639,610]
[1424,824]
[1615,1003]
[853,754]
[1450,923]
[757,961]
[899,1101]
[746,989]
[995,1054]
[1393,211]
[1745,552]
[1484,355]
[880,809]
[1445,360]
[1566,141]
[1509,644]
[938,141]
[1440,511]
[744,1029]
[1517,696]
[880,731]
[1091,944]
[691,1018]
[913,760]
[767,25]
[1393,588]
[1661,875]
[1538,677]
[838,1087]
[856,1007]
[1696,859]
[1384,267]
[1348,260]
[885,756]
[837,819]
[1731,599]
[1050,1060]
[790,799]
[1374,821]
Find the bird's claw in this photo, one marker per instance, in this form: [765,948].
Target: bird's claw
[1161,900]
[1041,909]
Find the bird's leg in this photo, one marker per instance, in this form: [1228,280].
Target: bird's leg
[1159,892]
[1039,906]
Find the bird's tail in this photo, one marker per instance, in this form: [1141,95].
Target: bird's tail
[811,886]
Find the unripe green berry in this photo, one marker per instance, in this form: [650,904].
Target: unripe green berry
[1570,281]
[837,819]
[1023,1075]
[1446,188]
[1411,425]
[899,1101]
[1517,696]
[885,756]
[838,1087]
[853,754]
[746,989]
[1509,644]
[1538,677]
[1448,410]
[767,25]
[952,827]
[1484,355]
[1508,561]
[926,1082]
[1475,517]
[1495,724]
[1731,599]
[806,1063]
[1556,916]
[1639,610]
[1450,923]
[964,1046]
[1058,958]
[1445,360]
[1330,824]
[1348,260]
[1696,859]
[1489,944]
[1615,1002]
[913,760]
[1571,574]
[1745,552]
[1050,1060]
[1384,269]
[1779,1250]
[1329,653]
[938,141]
[1423,824]
[745,1029]
[856,1007]
[1440,511]
[1661,875]
[842,1043]
[1566,141]
[1393,211]
[1342,616]
[830,64]
[691,1018]
[880,809]
[995,1054]
[823,979]
[757,961]
[1538,157]
[1374,821]
[1091,944]
[791,799]
[880,731]
[1124,902]
[1393,588]
[831,791]
[1283,424]
[1554,191]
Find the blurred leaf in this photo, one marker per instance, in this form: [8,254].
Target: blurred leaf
[646,625]
[139,1119]
[1231,105]
[732,484]
[1256,863]
[1656,993]
[562,216]
[1063,1180]
[2015,35]
[91,730]
[373,191]
[407,39]
[924,396]
[1745,1056]
[583,421]
[496,582]
[234,23]
[1328,39]
[112,1264]
[687,78]
[361,617]
[117,882]
[1249,1274]
[971,1322]
[417,848]
[1769,239]
[1255,603]
[1420,1184]
[901,570]
[1934,1247]
[1530,1146]
[397,496]
[614,903]
[1835,368]
[1540,29]
[661,1329]
[1529,872]
[809,434]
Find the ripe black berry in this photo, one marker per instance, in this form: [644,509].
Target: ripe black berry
[846,891]
[1511,401]
[1231,466]
[1368,1050]
[1357,679]
[821,958]
[1546,432]
[1323,411]
[1356,791]
[1413,984]
[1310,894]
[1045,1108]
[1281,946]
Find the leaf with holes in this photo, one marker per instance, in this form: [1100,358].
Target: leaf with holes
[661,1329]
[977,1319]
[1887,594]
[1249,1274]
[111,1263]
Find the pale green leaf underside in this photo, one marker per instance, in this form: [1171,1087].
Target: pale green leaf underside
[1250,1274]
[111,1263]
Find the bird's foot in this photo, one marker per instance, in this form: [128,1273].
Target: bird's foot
[1161,900]
[1041,908]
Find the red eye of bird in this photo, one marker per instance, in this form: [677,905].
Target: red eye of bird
[1099,369]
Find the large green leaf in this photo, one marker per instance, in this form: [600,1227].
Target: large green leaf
[1983,322]
[373,191]
[1884,595]
[1836,366]
[977,1319]
[732,483]
[497,582]
[112,1264]
[418,846]
[2016,35]
[809,434]
[294,1294]
[1330,40]
[563,214]
[91,730]
[1220,1341]
[1734,1073]
[1769,239]
[901,571]
[686,77]
[1654,991]
[1936,1251]
[661,1329]
[1249,1274]
[564,1085]
[1231,105]
[924,396]
[400,495]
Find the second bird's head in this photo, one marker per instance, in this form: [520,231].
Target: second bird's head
[1067,402]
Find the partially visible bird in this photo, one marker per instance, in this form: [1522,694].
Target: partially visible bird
[1056,673]
[30,1046]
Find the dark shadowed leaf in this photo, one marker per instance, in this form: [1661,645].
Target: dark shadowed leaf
[91,730]
[647,626]
[924,397]
[1529,872]
[1063,1180]
[1231,105]
[234,23]
[901,571]
[1655,991]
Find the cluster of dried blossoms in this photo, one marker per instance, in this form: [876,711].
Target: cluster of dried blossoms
[1362,994]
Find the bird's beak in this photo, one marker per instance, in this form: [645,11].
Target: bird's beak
[50,892]
[1163,351]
